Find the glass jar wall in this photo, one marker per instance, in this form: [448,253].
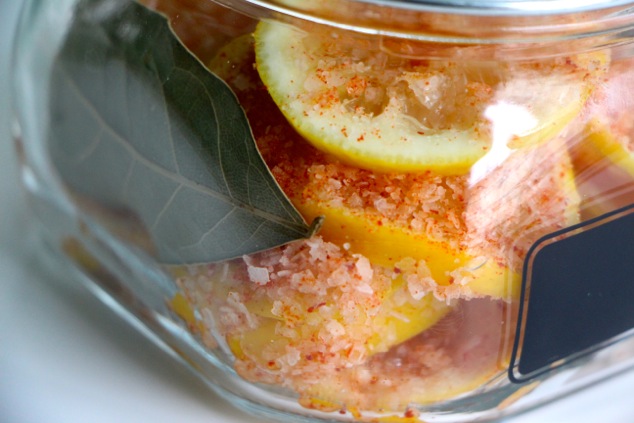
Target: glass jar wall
[355,211]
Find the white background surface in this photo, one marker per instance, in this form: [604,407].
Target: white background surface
[65,358]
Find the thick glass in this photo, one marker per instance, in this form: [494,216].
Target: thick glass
[343,211]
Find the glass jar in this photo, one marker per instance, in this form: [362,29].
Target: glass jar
[344,210]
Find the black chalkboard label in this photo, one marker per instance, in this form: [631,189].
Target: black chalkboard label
[577,294]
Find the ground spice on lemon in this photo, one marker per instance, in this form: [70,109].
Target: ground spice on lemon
[321,309]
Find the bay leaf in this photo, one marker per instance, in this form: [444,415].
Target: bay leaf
[137,123]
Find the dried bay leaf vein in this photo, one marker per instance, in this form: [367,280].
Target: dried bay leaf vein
[169,132]
[160,215]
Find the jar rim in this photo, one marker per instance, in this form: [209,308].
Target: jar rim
[463,22]
[502,7]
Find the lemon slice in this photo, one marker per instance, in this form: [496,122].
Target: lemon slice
[396,321]
[322,306]
[460,355]
[530,194]
[389,245]
[386,113]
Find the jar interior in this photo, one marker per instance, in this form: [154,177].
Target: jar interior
[338,218]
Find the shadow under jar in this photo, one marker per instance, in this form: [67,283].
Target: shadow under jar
[382,211]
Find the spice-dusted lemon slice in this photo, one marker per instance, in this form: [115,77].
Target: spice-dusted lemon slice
[609,133]
[381,112]
[471,236]
[306,306]
[387,244]
[463,352]
[279,330]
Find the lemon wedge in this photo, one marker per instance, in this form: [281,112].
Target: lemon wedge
[386,113]
[475,238]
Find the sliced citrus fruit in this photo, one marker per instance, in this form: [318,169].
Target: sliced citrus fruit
[391,217]
[307,305]
[377,111]
[398,319]
[461,354]
[603,150]
[453,272]
[471,238]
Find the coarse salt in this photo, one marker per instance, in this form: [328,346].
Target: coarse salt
[258,275]
[364,268]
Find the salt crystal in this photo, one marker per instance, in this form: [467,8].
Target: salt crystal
[357,355]
[418,287]
[364,268]
[258,275]
[278,308]
[335,184]
[365,289]
[234,300]
[364,376]
[383,206]
[335,328]
[292,356]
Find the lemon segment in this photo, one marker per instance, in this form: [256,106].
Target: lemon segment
[534,193]
[427,374]
[386,113]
